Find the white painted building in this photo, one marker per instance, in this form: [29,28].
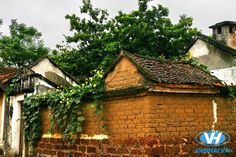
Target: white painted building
[227,75]
[37,78]
[218,52]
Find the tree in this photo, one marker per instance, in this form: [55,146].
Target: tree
[0,26]
[22,47]
[146,31]
[0,22]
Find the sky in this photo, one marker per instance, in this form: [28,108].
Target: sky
[48,16]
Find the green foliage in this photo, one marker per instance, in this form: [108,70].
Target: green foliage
[31,117]
[11,86]
[188,59]
[66,107]
[230,92]
[98,39]
[22,47]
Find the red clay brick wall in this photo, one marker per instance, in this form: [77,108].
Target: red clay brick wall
[185,115]
[226,116]
[130,147]
[148,125]
[180,114]
[127,117]
[162,115]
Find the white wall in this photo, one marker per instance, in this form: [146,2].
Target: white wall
[2,120]
[45,66]
[16,122]
[199,49]
[227,75]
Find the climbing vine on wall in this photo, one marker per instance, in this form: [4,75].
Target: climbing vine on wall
[66,108]
[230,91]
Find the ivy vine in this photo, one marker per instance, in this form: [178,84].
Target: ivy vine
[66,107]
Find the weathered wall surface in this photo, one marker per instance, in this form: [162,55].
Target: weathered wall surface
[221,64]
[210,56]
[124,75]
[232,40]
[161,115]
[228,75]
[45,66]
[129,117]
[223,36]
[130,147]
[226,37]
[148,125]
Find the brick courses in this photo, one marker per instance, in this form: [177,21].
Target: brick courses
[148,125]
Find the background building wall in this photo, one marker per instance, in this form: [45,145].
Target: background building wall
[211,56]
[45,66]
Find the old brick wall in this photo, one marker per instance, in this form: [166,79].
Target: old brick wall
[226,116]
[125,117]
[130,147]
[148,125]
[180,114]
[161,115]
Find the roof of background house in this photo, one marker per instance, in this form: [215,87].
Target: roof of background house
[215,43]
[56,65]
[7,73]
[172,72]
[223,23]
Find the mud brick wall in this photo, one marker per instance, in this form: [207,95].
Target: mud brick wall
[163,115]
[130,147]
[181,115]
[129,117]
[149,124]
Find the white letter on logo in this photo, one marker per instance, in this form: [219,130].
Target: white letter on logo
[209,140]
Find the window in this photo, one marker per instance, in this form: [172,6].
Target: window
[230,29]
[219,30]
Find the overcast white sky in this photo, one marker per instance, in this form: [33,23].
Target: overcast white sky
[48,15]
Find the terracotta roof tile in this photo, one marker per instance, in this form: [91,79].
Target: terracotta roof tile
[6,73]
[173,72]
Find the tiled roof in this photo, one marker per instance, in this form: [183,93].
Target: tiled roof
[173,72]
[223,23]
[6,73]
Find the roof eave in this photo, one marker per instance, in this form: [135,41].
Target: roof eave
[185,89]
[232,23]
